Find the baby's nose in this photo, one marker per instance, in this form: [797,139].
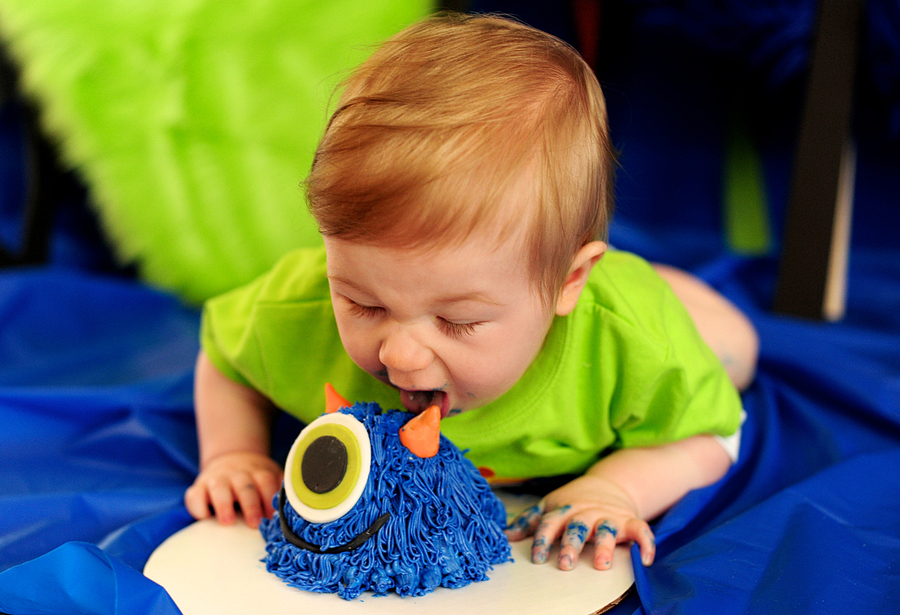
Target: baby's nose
[401,351]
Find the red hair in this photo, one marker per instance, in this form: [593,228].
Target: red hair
[437,127]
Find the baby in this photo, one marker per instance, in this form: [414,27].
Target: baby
[463,189]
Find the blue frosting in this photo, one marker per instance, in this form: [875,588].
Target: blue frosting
[445,527]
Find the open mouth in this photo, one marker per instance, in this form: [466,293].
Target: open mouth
[418,401]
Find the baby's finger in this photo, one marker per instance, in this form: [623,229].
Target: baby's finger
[638,531]
[525,524]
[549,529]
[572,543]
[222,500]
[249,499]
[605,533]
[268,484]
[197,502]
[647,542]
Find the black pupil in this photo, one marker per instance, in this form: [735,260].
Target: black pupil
[324,464]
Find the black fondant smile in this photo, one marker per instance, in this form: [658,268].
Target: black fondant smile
[355,543]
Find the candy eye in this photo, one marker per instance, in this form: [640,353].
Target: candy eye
[327,467]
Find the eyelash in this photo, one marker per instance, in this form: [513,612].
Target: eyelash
[365,311]
[450,329]
[457,330]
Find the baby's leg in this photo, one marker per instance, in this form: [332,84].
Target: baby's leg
[722,325]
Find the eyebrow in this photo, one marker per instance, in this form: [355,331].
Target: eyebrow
[348,282]
[458,298]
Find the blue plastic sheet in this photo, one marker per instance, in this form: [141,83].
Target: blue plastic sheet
[98,440]
[79,577]
[98,445]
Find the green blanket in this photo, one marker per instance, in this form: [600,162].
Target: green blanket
[194,121]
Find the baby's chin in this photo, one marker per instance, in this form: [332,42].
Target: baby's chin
[471,403]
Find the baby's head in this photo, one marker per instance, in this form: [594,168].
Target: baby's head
[467,136]
[448,118]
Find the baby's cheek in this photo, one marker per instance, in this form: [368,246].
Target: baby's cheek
[486,385]
[508,368]
[366,357]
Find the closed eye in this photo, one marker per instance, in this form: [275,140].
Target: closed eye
[457,330]
[454,330]
[365,311]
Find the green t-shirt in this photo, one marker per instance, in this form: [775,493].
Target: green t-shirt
[626,368]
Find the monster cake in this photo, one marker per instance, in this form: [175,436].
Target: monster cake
[380,501]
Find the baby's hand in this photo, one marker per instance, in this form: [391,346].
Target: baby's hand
[587,509]
[248,479]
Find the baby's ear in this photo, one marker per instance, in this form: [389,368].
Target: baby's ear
[584,261]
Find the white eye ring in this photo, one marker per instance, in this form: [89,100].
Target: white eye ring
[318,514]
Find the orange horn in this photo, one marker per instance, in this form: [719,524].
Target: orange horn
[422,433]
[333,400]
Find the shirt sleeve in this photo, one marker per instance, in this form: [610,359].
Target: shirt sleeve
[229,330]
[278,336]
[673,385]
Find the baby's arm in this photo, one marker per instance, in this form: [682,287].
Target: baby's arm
[233,428]
[612,501]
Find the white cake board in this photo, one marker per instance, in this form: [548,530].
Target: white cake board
[210,568]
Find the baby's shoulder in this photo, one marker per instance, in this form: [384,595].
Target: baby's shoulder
[625,292]
[300,275]
[623,282]
[626,269]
